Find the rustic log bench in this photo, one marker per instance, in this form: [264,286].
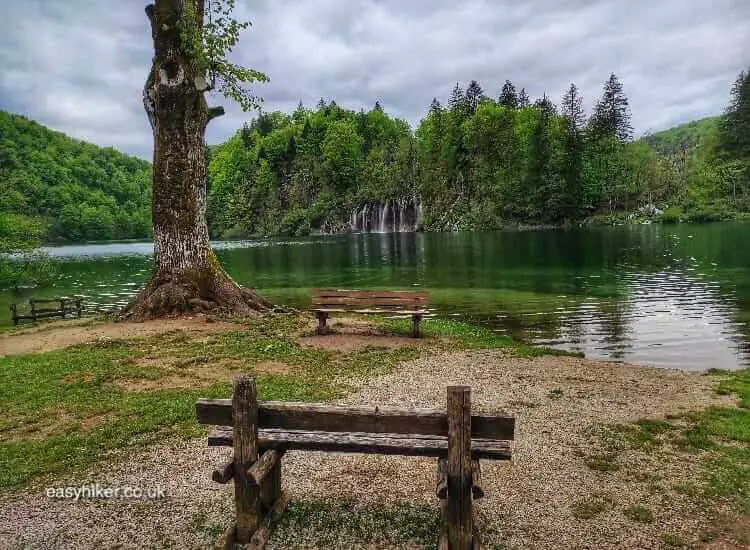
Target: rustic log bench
[260,433]
[370,302]
[68,306]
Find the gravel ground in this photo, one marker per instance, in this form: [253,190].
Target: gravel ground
[527,504]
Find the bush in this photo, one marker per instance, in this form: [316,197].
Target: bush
[673,214]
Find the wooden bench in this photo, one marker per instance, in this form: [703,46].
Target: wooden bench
[67,306]
[370,302]
[261,432]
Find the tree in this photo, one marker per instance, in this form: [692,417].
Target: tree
[435,106]
[523,98]
[612,114]
[735,127]
[508,97]
[474,95]
[457,101]
[190,58]
[572,112]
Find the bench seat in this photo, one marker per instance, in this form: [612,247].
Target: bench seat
[359,442]
[373,311]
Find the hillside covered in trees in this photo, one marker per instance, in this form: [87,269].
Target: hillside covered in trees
[479,162]
[69,189]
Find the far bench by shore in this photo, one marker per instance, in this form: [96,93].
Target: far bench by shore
[370,302]
[67,306]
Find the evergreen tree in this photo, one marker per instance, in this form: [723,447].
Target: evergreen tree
[378,107]
[612,114]
[435,106]
[474,95]
[572,112]
[735,128]
[457,101]
[523,99]
[508,97]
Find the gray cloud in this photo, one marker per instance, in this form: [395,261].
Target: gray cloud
[79,65]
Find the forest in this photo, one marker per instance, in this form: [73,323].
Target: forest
[477,163]
[71,190]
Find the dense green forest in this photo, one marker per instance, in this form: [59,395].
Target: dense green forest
[478,162]
[68,189]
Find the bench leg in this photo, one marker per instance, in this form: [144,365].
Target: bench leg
[270,488]
[322,319]
[460,524]
[415,320]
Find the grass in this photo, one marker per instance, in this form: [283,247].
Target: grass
[718,438]
[470,336]
[65,410]
[593,506]
[639,513]
[344,523]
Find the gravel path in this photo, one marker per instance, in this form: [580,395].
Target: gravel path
[527,504]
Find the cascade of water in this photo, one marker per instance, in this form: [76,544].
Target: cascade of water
[383,217]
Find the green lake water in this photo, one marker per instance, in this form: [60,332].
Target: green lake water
[668,296]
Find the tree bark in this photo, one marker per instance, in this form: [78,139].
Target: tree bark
[187,274]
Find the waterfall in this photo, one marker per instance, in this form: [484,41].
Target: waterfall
[383,217]
[398,215]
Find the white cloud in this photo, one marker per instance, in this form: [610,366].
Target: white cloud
[79,66]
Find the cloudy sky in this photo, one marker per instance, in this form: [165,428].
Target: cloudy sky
[79,65]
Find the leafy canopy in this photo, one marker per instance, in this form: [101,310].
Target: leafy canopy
[208,39]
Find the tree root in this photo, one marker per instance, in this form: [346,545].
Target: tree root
[169,296]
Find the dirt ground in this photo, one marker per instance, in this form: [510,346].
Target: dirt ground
[529,502]
[57,335]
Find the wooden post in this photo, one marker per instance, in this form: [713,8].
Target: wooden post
[459,509]
[415,320]
[322,317]
[245,441]
[33,310]
[270,487]
[14,310]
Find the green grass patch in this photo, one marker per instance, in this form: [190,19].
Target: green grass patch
[673,541]
[639,513]
[593,506]
[718,436]
[603,463]
[343,523]
[65,410]
[469,336]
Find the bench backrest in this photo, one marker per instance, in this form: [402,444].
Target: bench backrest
[395,300]
[328,418]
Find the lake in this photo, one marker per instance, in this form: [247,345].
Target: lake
[668,296]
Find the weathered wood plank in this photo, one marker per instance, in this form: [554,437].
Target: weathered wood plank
[263,466]
[329,418]
[477,491]
[371,311]
[441,489]
[365,302]
[261,536]
[342,442]
[459,505]
[333,293]
[245,443]
[224,473]
[441,483]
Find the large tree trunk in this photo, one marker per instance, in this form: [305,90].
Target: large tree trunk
[187,274]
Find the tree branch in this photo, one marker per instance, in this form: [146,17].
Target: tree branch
[215,112]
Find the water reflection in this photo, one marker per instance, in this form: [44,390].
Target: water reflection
[672,296]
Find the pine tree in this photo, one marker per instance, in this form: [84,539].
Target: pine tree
[457,101]
[572,112]
[508,97]
[474,95]
[435,106]
[735,127]
[612,114]
[523,99]
[378,107]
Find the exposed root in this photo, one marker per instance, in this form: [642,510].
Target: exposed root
[172,296]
